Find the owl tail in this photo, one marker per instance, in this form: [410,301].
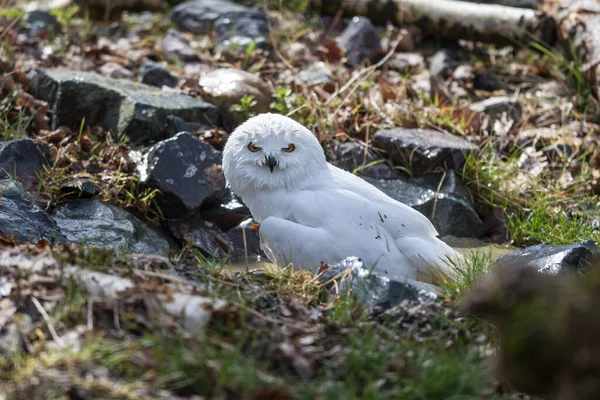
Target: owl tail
[433,260]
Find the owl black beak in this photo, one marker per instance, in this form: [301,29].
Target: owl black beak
[271,162]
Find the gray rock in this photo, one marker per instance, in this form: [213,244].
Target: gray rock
[454,211]
[23,159]
[374,290]
[235,25]
[105,225]
[187,171]
[23,220]
[114,70]
[202,235]
[153,74]
[177,47]
[360,41]
[314,77]
[351,155]
[423,150]
[122,107]
[554,260]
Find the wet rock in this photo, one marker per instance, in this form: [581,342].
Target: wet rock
[122,107]
[186,171]
[202,235]
[452,213]
[23,159]
[351,156]
[228,214]
[406,62]
[105,225]
[425,148]
[114,70]
[360,41]
[554,260]
[236,25]
[250,246]
[80,189]
[374,290]
[153,74]
[442,63]
[226,87]
[176,47]
[174,126]
[502,114]
[23,220]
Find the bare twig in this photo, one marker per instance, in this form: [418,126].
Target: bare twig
[48,321]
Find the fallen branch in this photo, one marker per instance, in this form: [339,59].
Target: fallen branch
[451,19]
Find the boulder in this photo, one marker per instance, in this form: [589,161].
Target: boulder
[351,156]
[454,212]
[236,25]
[23,220]
[374,290]
[422,150]
[186,171]
[105,225]
[122,107]
[554,260]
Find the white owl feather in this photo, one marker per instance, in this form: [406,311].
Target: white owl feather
[311,212]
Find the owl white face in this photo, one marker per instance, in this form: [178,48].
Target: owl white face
[271,151]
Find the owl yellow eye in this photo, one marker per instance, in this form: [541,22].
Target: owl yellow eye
[253,148]
[289,149]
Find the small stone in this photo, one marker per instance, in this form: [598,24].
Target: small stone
[23,159]
[80,190]
[450,208]
[484,80]
[202,235]
[176,47]
[40,21]
[226,87]
[374,290]
[360,41]
[114,70]
[554,260]
[235,35]
[315,77]
[186,171]
[120,106]
[425,148]
[105,225]
[23,220]
[406,62]
[153,74]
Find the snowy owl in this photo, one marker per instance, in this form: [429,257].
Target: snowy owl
[311,212]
